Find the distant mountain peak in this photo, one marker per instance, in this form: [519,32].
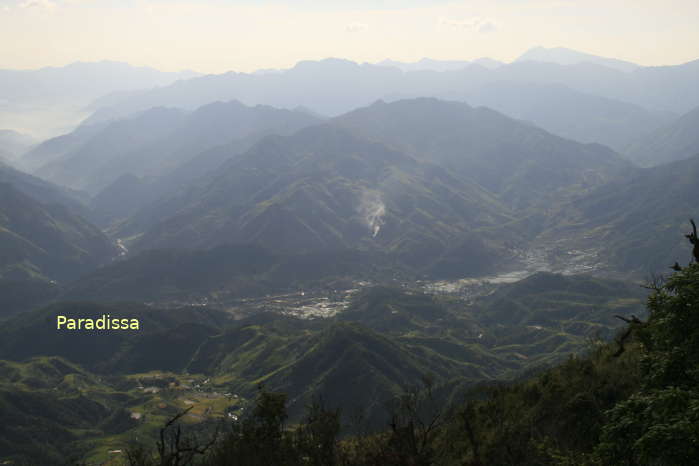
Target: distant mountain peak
[431,64]
[566,56]
[330,61]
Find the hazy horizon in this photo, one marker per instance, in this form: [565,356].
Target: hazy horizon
[216,36]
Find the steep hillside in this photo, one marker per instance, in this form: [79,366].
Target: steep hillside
[50,101]
[325,189]
[165,340]
[48,404]
[57,147]
[13,144]
[524,165]
[106,155]
[637,223]
[232,270]
[132,162]
[384,343]
[676,141]
[568,113]
[200,145]
[43,191]
[46,240]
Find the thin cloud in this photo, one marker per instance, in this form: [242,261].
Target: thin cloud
[476,23]
[44,4]
[356,27]
[486,27]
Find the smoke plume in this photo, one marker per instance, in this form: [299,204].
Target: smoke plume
[372,209]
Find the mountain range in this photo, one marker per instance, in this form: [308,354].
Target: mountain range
[13,145]
[335,86]
[637,222]
[675,141]
[155,152]
[46,240]
[455,225]
[566,56]
[50,101]
[428,64]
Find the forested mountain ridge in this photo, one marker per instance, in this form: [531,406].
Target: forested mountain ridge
[677,140]
[634,221]
[388,338]
[525,166]
[325,189]
[156,141]
[47,240]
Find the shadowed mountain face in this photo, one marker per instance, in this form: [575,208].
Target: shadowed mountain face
[420,179]
[325,189]
[637,222]
[569,113]
[54,148]
[41,240]
[676,141]
[233,270]
[166,339]
[42,191]
[525,166]
[118,148]
[43,237]
[385,342]
[155,143]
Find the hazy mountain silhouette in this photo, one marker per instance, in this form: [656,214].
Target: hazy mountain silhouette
[13,145]
[428,64]
[155,142]
[524,165]
[114,150]
[675,141]
[57,147]
[47,101]
[41,190]
[565,56]
[568,113]
[334,86]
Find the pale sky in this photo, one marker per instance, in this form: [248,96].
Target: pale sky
[215,36]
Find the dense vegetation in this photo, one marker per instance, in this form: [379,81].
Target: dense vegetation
[413,282]
[384,342]
[632,402]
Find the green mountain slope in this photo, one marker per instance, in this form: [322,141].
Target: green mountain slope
[48,404]
[233,270]
[43,191]
[381,345]
[46,240]
[524,165]
[676,141]
[165,340]
[634,223]
[325,189]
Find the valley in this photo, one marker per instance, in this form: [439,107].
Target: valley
[322,257]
